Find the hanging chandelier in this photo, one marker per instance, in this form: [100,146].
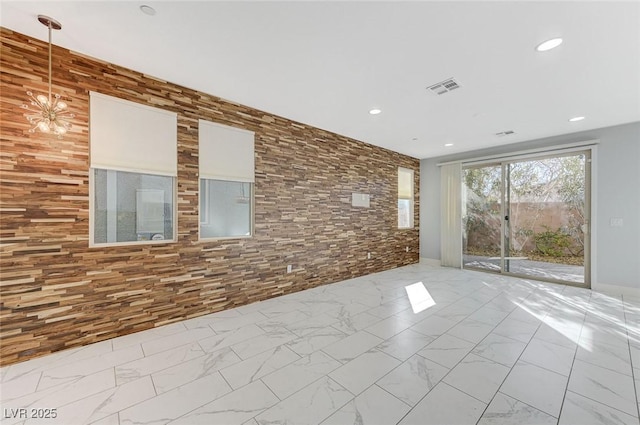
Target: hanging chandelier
[48,114]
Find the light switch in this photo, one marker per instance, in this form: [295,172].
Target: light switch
[616,222]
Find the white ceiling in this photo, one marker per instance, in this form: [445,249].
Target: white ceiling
[327,63]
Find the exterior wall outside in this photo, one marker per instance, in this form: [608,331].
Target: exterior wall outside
[58,293]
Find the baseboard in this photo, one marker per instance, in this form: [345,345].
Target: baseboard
[430,261]
[616,290]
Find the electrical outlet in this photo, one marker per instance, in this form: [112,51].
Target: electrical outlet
[289,268]
[368,256]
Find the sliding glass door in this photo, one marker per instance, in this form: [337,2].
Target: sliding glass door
[529,217]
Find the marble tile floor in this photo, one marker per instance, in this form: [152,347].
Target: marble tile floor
[414,345]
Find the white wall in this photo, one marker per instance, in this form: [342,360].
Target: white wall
[616,250]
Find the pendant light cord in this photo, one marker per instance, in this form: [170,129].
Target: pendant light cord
[49,62]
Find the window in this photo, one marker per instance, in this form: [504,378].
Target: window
[133,172]
[131,207]
[405,198]
[226,164]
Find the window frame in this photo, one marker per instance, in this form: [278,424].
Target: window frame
[252,214]
[411,199]
[244,173]
[92,211]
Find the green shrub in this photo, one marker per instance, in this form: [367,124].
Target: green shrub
[552,243]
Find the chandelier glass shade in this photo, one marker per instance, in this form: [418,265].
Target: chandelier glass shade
[48,114]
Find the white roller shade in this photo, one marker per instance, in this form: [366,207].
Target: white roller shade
[226,153]
[405,183]
[128,136]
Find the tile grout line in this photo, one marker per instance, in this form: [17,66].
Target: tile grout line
[633,373]
[470,351]
[575,354]
[514,364]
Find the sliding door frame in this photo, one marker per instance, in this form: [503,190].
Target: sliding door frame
[588,150]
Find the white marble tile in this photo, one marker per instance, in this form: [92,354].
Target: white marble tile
[187,371]
[410,316]
[350,324]
[602,330]
[405,344]
[279,306]
[347,311]
[283,320]
[447,350]
[207,320]
[488,315]
[478,377]
[147,365]
[312,324]
[505,410]
[528,314]
[352,346]
[309,406]
[500,349]
[445,405]
[413,379]
[109,420]
[535,386]
[234,408]
[88,366]
[324,306]
[608,356]
[227,339]
[388,327]
[606,386]
[231,323]
[635,355]
[361,372]
[520,309]
[263,342]
[373,407]
[502,303]
[584,411]
[471,330]
[147,335]
[253,368]
[455,315]
[103,404]
[57,396]
[171,405]
[315,340]
[560,333]
[52,361]
[550,356]
[517,329]
[388,309]
[171,341]
[291,378]
[434,325]
[20,386]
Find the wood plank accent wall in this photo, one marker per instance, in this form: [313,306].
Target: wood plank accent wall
[57,293]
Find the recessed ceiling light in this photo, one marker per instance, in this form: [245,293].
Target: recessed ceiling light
[147,10]
[375,111]
[549,44]
[574,119]
[448,145]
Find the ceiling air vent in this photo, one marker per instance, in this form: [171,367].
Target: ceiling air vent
[505,133]
[444,86]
